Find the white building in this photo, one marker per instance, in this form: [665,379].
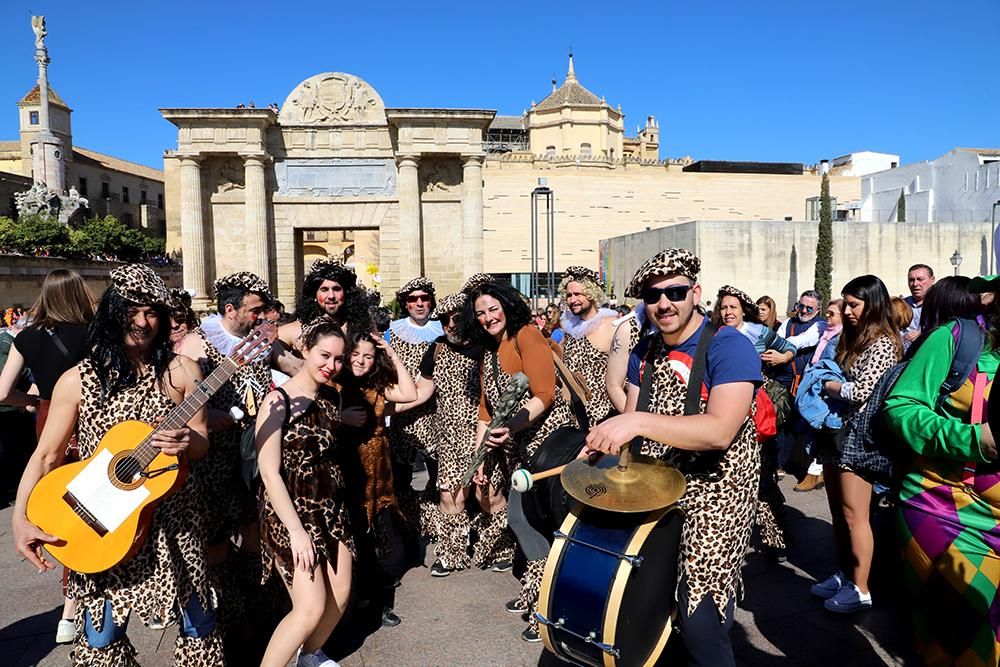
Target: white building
[863,163]
[960,186]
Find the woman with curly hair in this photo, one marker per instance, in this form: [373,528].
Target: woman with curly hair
[497,318]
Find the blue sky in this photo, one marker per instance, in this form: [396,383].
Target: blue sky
[770,80]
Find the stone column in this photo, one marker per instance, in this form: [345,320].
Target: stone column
[472,214]
[258,250]
[193,232]
[408,184]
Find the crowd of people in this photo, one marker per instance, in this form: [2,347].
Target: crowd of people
[302,464]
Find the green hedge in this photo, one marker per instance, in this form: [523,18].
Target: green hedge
[97,237]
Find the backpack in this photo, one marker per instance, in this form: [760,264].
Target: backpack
[869,447]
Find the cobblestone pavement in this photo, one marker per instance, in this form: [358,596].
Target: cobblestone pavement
[460,620]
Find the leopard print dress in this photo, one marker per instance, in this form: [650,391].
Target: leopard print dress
[720,499]
[316,487]
[171,565]
[410,431]
[230,502]
[456,382]
[583,358]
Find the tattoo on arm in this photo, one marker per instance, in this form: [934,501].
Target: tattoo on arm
[615,345]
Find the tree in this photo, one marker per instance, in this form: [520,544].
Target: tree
[824,242]
[39,234]
[901,208]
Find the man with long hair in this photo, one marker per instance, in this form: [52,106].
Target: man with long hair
[330,288]
[714,444]
[132,374]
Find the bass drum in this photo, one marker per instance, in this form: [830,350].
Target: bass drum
[607,596]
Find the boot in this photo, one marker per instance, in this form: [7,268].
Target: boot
[809,483]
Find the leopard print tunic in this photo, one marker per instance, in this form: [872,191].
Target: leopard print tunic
[719,506]
[582,357]
[316,486]
[230,502]
[456,382]
[171,566]
[409,431]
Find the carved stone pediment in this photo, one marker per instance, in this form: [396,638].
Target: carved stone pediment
[333,98]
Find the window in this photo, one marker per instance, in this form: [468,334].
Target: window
[105,190]
[124,195]
[33,117]
[893,165]
[585,150]
[83,187]
[142,196]
[550,151]
[128,219]
[159,200]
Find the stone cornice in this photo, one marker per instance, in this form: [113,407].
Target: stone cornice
[466,117]
[191,116]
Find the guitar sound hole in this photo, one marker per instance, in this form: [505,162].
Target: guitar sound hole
[127,470]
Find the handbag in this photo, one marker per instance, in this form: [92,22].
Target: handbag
[249,471]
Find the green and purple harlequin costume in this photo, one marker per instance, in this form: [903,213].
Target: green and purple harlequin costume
[949,518]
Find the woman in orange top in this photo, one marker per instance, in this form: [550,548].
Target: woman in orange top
[498,318]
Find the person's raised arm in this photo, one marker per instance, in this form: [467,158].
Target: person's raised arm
[404,391]
[9,393]
[618,366]
[191,438]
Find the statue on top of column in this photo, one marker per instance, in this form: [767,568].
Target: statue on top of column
[38,25]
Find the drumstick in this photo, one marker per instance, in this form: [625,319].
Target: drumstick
[521,480]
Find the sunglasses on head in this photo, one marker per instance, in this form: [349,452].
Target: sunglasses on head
[803,308]
[674,293]
[414,298]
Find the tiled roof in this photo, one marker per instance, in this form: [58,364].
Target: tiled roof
[570,93]
[34,96]
[506,123]
[86,156]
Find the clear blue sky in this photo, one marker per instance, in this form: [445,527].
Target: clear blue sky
[771,80]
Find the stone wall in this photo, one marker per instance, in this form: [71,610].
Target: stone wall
[21,277]
[778,258]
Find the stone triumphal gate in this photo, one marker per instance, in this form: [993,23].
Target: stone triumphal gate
[247,188]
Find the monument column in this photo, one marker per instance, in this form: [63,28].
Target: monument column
[472,214]
[258,249]
[193,231]
[410,255]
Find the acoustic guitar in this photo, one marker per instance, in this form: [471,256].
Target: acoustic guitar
[100,508]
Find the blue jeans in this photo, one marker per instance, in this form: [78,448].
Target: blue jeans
[195,622]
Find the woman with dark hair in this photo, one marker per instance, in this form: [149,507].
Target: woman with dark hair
[869,345]
[947,299]
[734,308]
[497,317]
[553,328]
[183,319]
[767,312]
[949,496]
[54,342]
[373,376]
[133,374]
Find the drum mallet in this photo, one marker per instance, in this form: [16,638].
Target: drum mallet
[521,480]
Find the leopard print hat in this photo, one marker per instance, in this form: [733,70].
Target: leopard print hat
[251,282]
[449,304]
[328,268]
[743,297]
[419,283]
[475,280]
[669,262]
[580,274]
[140,284]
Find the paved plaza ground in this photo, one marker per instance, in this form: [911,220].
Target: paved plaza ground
[460,620]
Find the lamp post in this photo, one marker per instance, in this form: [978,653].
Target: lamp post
[543,194]
[956,261]
[993,233]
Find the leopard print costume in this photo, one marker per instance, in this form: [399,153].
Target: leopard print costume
[230,502]
[494,541]
[315,484]
[719,506]
[770,500]
[582,357]
[170,567]
[456,382]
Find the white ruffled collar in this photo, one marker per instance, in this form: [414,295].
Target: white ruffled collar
[411,333]
[216,334]
[577,327]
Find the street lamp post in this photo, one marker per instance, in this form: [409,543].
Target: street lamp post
[541,194]
[956,261]
[993,233]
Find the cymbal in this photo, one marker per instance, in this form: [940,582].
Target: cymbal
[646,484]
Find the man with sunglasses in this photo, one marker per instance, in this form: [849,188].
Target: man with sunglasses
[707,433]
[410,337]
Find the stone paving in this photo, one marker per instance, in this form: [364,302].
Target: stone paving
[460,620]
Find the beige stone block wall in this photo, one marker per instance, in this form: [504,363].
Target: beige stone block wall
[779,258]
[594,201]
[172,197]
[442,243]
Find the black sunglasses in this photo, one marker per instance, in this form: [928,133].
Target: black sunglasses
[675,293]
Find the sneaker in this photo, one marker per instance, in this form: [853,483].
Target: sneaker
[515,606]
[848,600]
[502,566]
[530,635]
[317,659]
[390,619]
[65,631]
[438,569]
[780,474]
[828,588]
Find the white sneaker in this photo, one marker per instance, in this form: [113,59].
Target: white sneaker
[65,631]
[317,659]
